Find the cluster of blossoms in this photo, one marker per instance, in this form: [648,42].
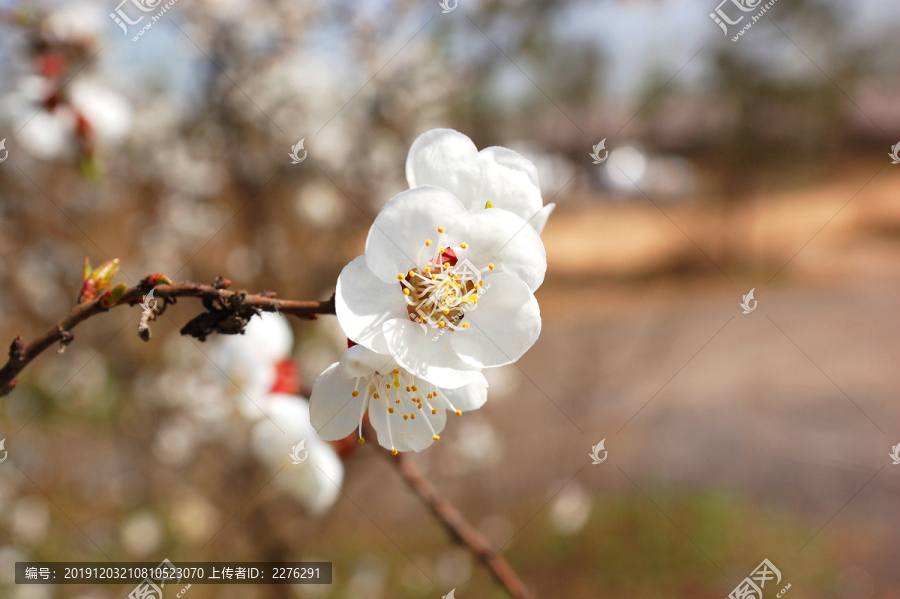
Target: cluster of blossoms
[445,289]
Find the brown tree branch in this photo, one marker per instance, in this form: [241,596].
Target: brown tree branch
[225,312]
[460,528]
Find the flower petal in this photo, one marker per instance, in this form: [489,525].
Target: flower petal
[539,220]
[448,159]
[363,303]
[434,360]
[510,181]
[398,235]
[359,361]
[317,483]
[506,322]
[333,410]
[412,434]
[500,237]
[465,399]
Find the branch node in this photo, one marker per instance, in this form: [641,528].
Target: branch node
[65,338]
[17,350]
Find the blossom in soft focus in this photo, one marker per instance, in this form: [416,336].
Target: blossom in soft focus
[407,412]
[444,291]
[316,482]
[257,362]
[495,176]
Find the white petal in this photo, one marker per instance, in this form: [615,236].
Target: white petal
[506,322]
[433,360]
[465,399]
[396,240]
[267,337]
[316,483]
[539,220]
[500,237]
[359,361]
[407,435]
[448,159]
[510,181]
[333,410]
[363,303]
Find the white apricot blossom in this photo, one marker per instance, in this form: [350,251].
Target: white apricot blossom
[407,412]
[444,291]
[495,176]
[316,481]
[254,360]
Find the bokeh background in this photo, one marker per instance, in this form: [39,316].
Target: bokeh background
[759,164]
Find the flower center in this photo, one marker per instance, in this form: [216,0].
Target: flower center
[397,391]
[440,293]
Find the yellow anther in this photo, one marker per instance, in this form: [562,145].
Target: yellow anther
[412,273]
[414,388]
[459,412]
[405,291]
[361,441]
[396,371]
[465,325]
[442,250]
[408,388]
[440,229]
[441,324]
[355,393]
[396,401]
[390,410]
[375,395]
[436,438]
[406,416]
[413,416]
[419,406]
[463,245]
[433,411]
[446,310]
[428,269]
[400,276]
[491,266]
[427,242]
[394,452]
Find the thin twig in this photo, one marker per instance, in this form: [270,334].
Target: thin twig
[460,528]
[216,300]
